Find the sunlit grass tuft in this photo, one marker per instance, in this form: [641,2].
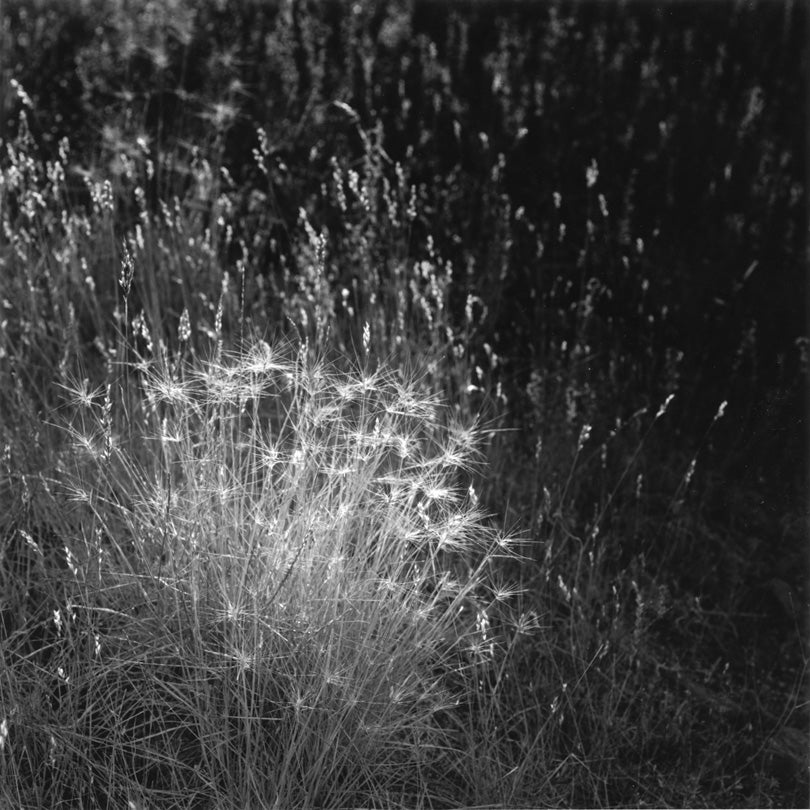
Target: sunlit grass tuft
[287,583]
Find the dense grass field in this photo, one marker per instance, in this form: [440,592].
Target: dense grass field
[403,404]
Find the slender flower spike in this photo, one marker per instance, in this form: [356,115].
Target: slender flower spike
[592,174]
[24,98]
[584,435]
[127,269]
[689,473]
[184,329]
[663,409]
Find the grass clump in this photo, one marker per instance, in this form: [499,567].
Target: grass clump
[270,587]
